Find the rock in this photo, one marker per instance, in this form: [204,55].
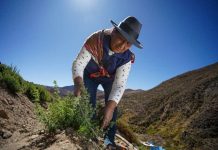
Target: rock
[24,129]
[6,134]
[5,101]
[3,114]
[10,101]
[42,132]
[41,145]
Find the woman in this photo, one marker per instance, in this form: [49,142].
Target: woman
[105,59]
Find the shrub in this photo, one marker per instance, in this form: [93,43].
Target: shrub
[10,78]
[32,92]
[12,84]
[44,95]
[58,115]
[70,111]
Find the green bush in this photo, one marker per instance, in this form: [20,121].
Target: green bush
[58,116]
[32,93]
[44,95]
[12,84]
[70,111]
[10,78]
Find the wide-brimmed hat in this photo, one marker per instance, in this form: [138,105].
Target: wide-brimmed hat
[130,28]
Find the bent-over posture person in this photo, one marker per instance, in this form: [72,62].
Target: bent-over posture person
[105,58]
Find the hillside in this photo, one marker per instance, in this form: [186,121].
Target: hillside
[180,113]
[20,127]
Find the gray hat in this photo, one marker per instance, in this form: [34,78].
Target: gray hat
[130,28]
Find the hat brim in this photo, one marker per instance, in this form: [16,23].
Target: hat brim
[127,37]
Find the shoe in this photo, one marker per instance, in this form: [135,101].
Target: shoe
[109,145]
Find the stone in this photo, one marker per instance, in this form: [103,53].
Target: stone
[42,132]
[3,114]
[6,134]
[5,101]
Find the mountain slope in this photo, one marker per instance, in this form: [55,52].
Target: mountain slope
[19,126]
[183,110]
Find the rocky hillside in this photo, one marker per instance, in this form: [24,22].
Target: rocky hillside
[19,128]
[180,113]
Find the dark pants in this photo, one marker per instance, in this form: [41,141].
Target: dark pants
[91,86]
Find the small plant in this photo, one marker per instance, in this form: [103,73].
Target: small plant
[70,111]
[58,115]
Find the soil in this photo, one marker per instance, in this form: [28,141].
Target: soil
[21,130]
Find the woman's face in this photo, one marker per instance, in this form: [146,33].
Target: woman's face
[118,43]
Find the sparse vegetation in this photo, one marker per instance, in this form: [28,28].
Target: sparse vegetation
[12,84]
[44,94]
[11,80]
[180,113]
[127,131]
[32,92]
[70,111]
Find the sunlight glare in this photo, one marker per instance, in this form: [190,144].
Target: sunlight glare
[85,4]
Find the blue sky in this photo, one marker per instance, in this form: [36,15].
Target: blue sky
[43,37]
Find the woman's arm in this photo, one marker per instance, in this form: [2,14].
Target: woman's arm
[78,69]
[117,91]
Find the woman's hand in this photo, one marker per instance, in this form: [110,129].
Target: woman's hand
[108,113]
[78,84]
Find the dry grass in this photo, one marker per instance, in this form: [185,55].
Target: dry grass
[181,110]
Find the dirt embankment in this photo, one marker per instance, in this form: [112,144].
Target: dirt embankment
[20,129]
